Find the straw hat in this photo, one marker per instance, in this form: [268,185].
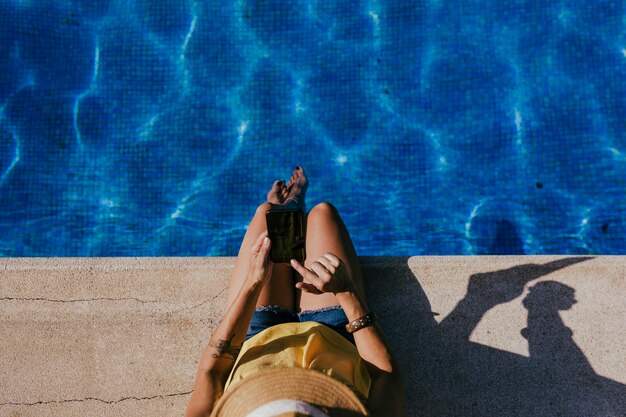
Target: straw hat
[282,392]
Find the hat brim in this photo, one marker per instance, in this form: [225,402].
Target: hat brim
[278,383]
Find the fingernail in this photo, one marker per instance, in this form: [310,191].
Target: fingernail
[266,241]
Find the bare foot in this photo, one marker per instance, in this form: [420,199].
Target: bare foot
[276,195]
[285,192]
[296,188]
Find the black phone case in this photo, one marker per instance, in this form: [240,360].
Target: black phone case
[285,228]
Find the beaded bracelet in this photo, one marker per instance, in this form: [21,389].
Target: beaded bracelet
[361,322]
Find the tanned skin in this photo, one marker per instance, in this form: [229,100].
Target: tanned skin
[330,276]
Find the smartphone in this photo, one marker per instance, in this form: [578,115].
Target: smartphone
[285,228]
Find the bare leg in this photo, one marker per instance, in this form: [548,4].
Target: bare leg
[279,290]
[325,232]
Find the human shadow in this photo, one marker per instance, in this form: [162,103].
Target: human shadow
[445,374]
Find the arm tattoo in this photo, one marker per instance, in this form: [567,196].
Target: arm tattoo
[225,349]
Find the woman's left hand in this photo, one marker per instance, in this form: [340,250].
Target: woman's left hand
[327,274]
[260,264]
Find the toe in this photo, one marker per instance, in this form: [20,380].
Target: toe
[274,195]
[275,187]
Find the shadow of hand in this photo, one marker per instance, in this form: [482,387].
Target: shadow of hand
[486,290]
[492,288]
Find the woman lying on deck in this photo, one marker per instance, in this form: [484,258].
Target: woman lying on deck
[297,339]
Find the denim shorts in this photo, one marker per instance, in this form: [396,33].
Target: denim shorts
[267,316]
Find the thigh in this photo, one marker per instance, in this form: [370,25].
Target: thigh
[279,290]
[325,232]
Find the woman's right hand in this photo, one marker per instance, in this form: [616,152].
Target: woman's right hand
[327,274]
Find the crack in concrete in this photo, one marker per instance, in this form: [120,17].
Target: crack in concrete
[215,297]
[195,305]
[179,394]
[80,300]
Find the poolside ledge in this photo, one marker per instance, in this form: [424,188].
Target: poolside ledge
[475,336]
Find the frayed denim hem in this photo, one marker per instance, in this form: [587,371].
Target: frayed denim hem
[274,309]
[321,310]
[266,316]
[278,309]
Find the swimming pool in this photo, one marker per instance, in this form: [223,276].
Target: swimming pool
[155,128]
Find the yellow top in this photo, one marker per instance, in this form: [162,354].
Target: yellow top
[308,345]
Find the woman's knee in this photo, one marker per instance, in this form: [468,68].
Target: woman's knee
[263,208]
[324,209]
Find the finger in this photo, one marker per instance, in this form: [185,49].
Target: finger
[299,267]
[260,249]
[320,270]
[258,243]
[327,264]
[304,272]
[264,251]
[305,286]
[334,261]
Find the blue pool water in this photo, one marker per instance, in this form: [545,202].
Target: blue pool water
[140,128]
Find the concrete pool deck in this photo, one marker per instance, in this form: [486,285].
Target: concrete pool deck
[483,336]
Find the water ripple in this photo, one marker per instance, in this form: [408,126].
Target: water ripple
[156,128]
